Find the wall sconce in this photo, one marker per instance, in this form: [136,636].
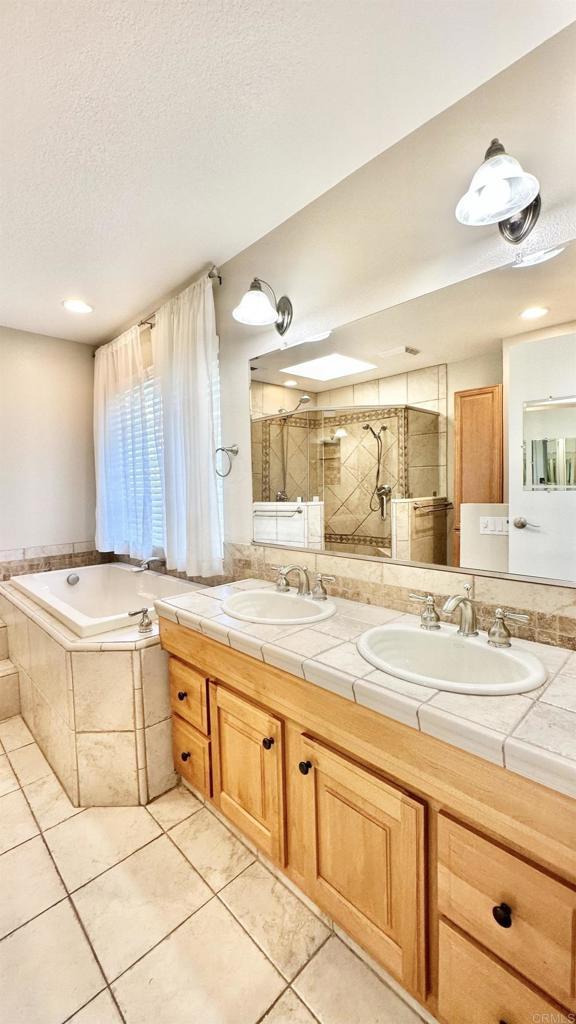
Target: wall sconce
[260,309]
[502,193]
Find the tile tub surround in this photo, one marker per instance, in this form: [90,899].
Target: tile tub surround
[526,733]
[21,561]
[114,914]
[551,608]
[98,708]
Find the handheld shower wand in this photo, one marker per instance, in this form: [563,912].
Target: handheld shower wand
[381,491]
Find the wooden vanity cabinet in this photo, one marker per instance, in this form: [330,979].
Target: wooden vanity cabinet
[412,846]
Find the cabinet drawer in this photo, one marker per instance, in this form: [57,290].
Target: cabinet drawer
[478,883]
[475,989]
[191,755]
[189,694]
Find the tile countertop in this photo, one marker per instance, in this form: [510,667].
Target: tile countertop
[533,733]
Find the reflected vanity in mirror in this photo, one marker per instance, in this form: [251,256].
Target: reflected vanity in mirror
[441,431]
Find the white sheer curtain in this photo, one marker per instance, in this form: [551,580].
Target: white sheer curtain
[128,449]
[185,352]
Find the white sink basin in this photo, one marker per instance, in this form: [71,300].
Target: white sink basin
[445,661]
[276,609]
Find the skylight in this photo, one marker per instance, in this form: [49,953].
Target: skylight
[329,367]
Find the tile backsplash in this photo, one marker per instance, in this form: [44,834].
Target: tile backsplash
[551,609]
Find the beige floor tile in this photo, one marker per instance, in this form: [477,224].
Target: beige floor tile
[174,807]
[29,884]
[91,842]
[48,969]
[14,733]
[207,971]
[49,802]
[8,781]
[289,1010]
[29,764]
[16,823]
[215,853]
[101,1010]
[133,906]
[340,989]
[281,925]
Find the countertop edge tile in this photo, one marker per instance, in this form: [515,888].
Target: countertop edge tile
[461,732]
[329,678]
[387,702]
[540,765]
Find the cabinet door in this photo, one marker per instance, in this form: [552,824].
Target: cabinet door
[478,467]
[248,769]
[365,859]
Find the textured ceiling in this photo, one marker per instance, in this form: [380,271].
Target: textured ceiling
[143,138]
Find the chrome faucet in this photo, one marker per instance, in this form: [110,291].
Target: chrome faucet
[303,579]
[467,611]
[145,564]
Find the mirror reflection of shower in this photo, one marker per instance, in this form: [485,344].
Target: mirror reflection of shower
[282,494]
[381,492]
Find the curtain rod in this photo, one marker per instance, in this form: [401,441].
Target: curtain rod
[214,274]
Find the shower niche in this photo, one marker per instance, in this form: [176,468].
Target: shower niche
[361,480]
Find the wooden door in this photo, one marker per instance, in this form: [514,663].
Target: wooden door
[365,859]
[478,461]
[248,783]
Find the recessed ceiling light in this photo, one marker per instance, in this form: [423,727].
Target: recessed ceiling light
[534,312]
[531,259]
[290,383]
[77,306]
[329,367]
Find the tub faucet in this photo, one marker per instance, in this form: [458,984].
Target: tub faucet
[145,564]
[467,611]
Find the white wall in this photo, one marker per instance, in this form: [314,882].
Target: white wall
[387,233]
[47,493]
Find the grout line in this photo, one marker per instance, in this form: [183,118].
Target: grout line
[76,914]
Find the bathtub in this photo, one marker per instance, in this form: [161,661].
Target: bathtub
[103,596]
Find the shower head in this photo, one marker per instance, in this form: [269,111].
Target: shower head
[368,426]
[302,401]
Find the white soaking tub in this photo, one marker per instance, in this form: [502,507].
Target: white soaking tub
[103,596]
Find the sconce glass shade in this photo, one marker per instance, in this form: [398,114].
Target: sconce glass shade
[499,189]
[255,307]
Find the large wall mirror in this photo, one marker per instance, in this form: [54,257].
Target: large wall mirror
[441,431]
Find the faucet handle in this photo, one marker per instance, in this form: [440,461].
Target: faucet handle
[282,585]
[499,634]
[429,618]
[319,592]
[515,616]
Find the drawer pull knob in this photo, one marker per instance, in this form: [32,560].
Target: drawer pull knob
[185,755]
[267,742]
[502,914]
[182,694]
[304,767]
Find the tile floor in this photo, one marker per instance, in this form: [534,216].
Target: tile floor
[157,915]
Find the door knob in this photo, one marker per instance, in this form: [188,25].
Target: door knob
[182,694]
[185,755]
[267,742]
[502,914]
[304,767]
[520,522]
